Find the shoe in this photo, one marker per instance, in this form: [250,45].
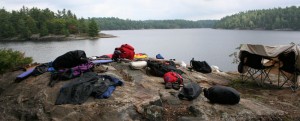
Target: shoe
[176,86]
[168,85]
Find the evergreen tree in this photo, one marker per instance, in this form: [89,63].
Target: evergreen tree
[270,19]
[82,26]
[93,28]
[24,29]
[44,30]
[6,27]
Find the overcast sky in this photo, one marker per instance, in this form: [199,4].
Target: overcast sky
[151,9]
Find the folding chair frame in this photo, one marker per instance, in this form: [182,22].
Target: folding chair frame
[254,74]
[288,77]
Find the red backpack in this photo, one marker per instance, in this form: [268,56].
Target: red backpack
[172,79]
[125,51]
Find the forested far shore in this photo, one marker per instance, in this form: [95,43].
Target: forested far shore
[22,24]
[267,19]
[28,23]
[113,23]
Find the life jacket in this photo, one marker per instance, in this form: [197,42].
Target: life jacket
[172,80]
[126,51]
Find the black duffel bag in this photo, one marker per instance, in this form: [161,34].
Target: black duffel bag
[70,59]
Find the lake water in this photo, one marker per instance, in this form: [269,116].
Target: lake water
[211,45]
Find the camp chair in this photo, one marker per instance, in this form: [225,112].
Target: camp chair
[288,71]
[256,70]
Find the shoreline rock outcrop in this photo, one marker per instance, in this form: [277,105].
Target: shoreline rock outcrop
[37,37]
[143,97]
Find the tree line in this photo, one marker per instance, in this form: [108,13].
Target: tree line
[113,23]
[268,19]
[25,22]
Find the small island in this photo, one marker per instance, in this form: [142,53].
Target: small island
[43,24]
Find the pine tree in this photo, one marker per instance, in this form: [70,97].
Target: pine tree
[93,28]
[24,29]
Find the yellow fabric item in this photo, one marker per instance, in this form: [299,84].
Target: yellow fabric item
[140,55]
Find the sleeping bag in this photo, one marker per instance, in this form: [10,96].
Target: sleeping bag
[222,95]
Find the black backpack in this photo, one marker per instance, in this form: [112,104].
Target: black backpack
[200,66]
[190,91]
[40,69]
[70,59]
[222,95]
[159,69]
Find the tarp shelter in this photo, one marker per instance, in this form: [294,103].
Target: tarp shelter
[273,51]
[286,55]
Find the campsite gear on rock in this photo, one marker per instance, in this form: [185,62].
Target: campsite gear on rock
[140,56]
[24,75]
[159,56]
[98,62]
[77,91]
[285,56]
[222,95]
[126,51]
[288,66]
[200,66]
[64,74]
[172,79]
[251,67]
[138,64]
[190,91]
[112,83]
[89,84]
[215,68]
[109,55]
[93,58]
[40,69]
[183,64]
[159,69]
[70,59]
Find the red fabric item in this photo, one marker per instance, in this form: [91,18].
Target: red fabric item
[127,51]
[172,77]
[109,55]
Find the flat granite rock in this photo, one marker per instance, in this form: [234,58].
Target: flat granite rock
[142,97]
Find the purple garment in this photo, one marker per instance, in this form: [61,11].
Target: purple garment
[77,70]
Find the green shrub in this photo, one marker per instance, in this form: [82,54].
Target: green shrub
[10,59]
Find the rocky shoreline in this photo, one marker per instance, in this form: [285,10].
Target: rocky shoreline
[37,37]
[142,98]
